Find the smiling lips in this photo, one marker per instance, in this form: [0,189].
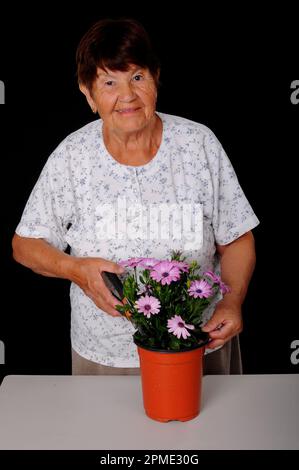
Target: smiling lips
[127,110]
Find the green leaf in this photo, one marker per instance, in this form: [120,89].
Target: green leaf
[174,343]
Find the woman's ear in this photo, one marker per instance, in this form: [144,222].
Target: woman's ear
[86,92]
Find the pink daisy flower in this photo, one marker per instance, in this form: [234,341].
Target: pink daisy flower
[223,287]
[212,276]
[130,262]
[184,267]
[144,289]
[148,305]
[200,289]
[148,262]
[178,327]
[165,272]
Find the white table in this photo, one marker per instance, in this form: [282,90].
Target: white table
[106,412]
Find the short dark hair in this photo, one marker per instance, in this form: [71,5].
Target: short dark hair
[115,44]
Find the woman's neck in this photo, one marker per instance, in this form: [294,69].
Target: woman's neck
[137,147]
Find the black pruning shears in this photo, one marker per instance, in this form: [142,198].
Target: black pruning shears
[114,284]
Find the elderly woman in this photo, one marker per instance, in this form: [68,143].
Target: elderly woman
[134,157]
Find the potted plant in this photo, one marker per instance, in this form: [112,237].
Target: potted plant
[165,301]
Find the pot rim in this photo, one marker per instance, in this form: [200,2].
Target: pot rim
[171,351]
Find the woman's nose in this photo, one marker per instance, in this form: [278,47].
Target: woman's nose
[126,92]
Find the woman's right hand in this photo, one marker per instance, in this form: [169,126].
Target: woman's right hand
[86,273]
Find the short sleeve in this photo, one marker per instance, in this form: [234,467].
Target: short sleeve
[232,214]
[50,207]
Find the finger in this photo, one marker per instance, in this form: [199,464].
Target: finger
[215,343]
[111,267]
[107,303]
[106,294]
[222,331]
[109,309]
[112,305]
[213,323]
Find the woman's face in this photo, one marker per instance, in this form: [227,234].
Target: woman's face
[126,101]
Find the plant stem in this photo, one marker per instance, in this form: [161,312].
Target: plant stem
[135,271]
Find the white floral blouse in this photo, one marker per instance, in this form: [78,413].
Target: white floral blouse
[80,177]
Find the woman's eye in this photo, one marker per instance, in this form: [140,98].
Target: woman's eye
[137,78]
[109,83]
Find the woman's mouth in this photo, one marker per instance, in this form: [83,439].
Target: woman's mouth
[127,111]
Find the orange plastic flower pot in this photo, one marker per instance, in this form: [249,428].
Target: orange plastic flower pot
[171,383]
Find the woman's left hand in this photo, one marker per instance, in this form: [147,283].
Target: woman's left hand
[225,323]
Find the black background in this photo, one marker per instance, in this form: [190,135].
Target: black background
[228,69]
